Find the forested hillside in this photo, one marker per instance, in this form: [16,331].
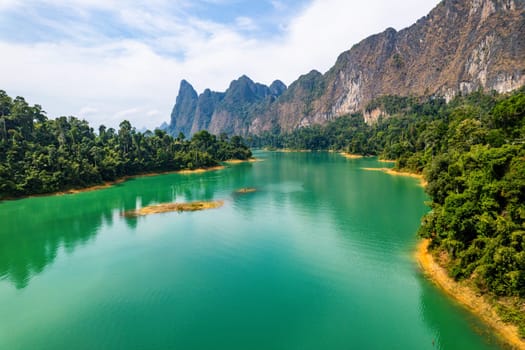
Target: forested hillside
[472,154]
[41,155]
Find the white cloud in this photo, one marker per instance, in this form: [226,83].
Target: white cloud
[278,5]
[135,79]
[245,23]
[5,4]
[87,111]
[123,114]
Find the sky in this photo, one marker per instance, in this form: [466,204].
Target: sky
[110,60]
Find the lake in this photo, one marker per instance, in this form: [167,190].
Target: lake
[320,256]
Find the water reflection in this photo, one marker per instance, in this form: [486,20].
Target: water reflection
[320,184]
[349,198]
[35,229]
[341,257]
[447,322]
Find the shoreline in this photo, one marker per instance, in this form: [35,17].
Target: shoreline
[390,171]
[464,295]
[123,179]
[289,150]
[109,184]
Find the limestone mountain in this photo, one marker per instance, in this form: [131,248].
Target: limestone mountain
[459,47]
[222,112]
[184,110]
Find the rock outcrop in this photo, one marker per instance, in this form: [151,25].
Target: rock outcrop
[222,112]
[183,113]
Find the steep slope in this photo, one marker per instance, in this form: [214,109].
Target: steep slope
[206,105]
[459,47]
[184,110]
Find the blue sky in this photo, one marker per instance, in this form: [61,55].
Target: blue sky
[90,22]
[108,60]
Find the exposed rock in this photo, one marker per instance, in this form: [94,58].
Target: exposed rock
[373,116]
[206,105]
[227,112]
[183,112]
[164,126]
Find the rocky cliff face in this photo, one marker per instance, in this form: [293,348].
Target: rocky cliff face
[222,112]
[461,46]
[183,112]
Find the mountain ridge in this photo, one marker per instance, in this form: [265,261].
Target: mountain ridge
[459,47]
[221,112]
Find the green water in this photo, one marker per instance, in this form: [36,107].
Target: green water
[318,258]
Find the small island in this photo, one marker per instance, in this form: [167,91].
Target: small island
[199,170]
[351,155]
[170,207]
[246,190]
[238,161]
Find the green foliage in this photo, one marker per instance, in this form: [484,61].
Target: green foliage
[513,315]
[334,136]
[38,155]
[398,61]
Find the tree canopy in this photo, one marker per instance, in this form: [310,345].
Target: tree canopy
[41,155]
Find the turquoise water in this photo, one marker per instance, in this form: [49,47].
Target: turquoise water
[319,257]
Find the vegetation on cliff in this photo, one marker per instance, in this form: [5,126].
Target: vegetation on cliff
[472,154]
[40,155]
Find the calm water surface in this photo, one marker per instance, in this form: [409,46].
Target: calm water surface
[318,258]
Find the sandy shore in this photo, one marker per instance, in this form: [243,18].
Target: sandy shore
[126,178]
[467,297]
[170,207]
[109,184]
[386,161]
[393,172]
[351,155]
[101,186]
[86,189]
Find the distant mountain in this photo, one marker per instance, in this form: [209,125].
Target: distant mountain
[164,126]
[459,47]
[227,112]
